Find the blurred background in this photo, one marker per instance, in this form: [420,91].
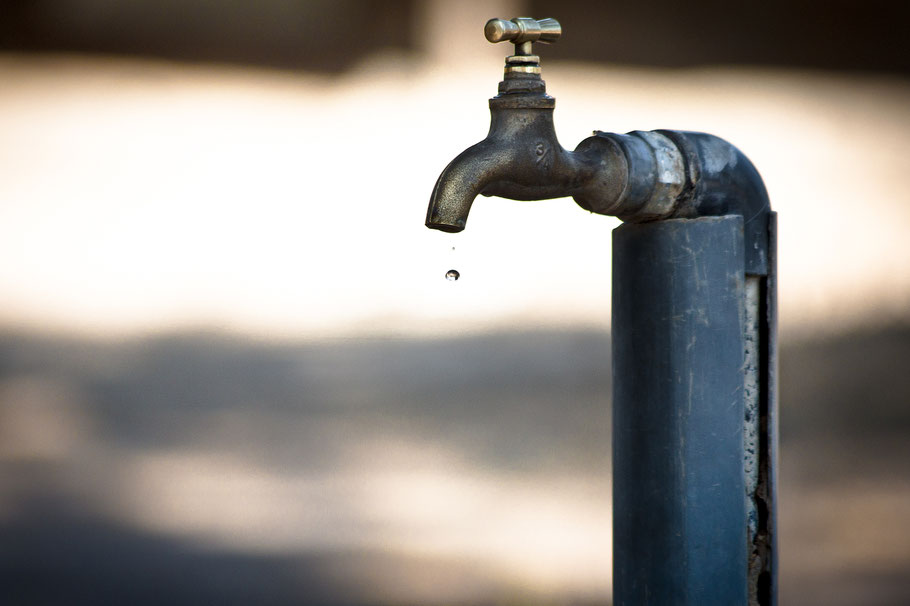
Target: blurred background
[232,370]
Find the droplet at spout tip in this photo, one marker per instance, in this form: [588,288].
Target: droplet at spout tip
[452,275]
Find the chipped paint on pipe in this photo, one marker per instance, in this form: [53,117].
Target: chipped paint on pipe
[752,424]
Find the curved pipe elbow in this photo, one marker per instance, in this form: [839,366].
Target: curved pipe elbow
[721,180]
[685,175]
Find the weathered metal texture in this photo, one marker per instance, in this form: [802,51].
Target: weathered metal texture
[770,433]
[679,507]
[521,159]
[638,177]
[752,393]
[762,423]
[723,181]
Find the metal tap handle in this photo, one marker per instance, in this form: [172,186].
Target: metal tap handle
[522,29]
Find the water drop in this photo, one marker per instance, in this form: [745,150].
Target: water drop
[452,275]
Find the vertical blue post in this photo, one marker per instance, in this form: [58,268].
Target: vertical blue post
[679,491]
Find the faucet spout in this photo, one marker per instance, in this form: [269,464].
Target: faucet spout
[463,179]
[522,159]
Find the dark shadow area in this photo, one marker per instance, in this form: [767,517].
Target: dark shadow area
[330,36]
[512,403]
[315,35]
[50,554]
[842,386]
[53,553]
[835,35]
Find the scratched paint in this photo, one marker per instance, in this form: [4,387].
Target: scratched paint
[751,427]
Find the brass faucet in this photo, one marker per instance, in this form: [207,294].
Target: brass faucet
[640,176]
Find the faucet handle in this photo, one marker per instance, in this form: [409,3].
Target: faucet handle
[522,32]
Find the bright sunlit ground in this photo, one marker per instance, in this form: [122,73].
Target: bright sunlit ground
[140,195]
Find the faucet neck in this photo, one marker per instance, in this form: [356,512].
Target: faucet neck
[521,86]
[522,75]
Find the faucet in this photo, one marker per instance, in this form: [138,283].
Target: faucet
[694,319]
[639,177]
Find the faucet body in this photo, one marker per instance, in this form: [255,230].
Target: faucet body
[640,176]
[521,159]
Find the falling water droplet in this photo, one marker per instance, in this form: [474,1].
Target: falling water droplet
[452,275]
